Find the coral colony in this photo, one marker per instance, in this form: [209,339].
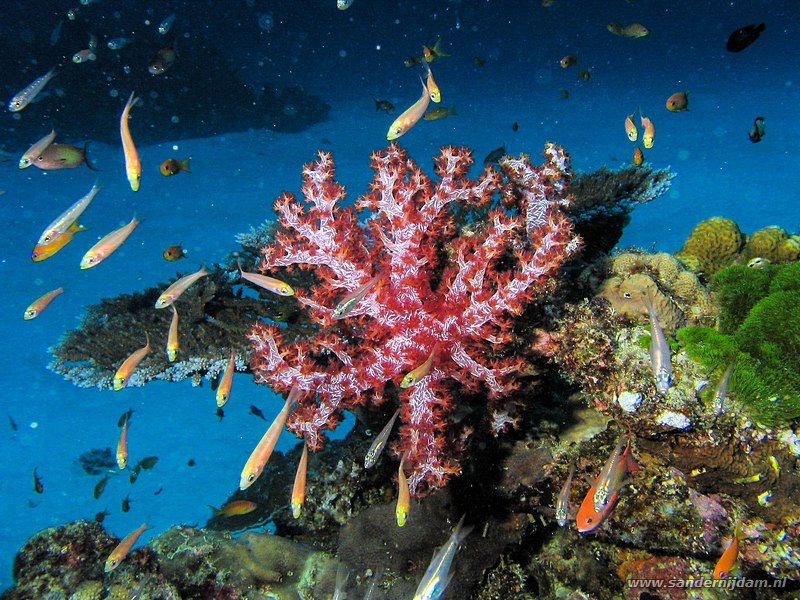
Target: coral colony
[435,293]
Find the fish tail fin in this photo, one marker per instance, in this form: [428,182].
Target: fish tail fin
[761,27]
[453,111]
[214,509]
[185,164]
[86,158]
[437,48]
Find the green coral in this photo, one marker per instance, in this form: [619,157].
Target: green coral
[759,333]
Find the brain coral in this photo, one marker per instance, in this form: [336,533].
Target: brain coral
[677,295]
[712,245]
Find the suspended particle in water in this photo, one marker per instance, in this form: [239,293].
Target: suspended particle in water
[265,22]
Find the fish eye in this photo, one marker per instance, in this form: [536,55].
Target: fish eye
[251,478]
[627,295]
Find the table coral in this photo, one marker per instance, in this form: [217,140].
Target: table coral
[439,291]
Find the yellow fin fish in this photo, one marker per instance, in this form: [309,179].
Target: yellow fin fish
[410,116]
[433,89]
[107,245]
[35,150]
[403,495]
[299,487]
[133,167]
[174,291]
[122,446]
[121,551]
[263,450]
[276,286]
[38,305]
[224,388]
[172,337]
[414,376]
[649,133]
[630,128]
[66,219]
[129,365]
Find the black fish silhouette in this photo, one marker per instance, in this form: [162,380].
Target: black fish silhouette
[742,38]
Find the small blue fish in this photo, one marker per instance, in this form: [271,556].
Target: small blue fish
[118,43]
[166,24]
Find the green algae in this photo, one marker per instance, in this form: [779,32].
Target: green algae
[759,333]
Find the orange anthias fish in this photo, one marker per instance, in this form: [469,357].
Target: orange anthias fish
[678,101]
[299,487]
[38,305]
[630,128]
[414,376]
[410,117]
[42,252]
[133,167]
[174,291]
[174,252]
[35,150]
[431,54]
[122,446]
[728,559]
[121,551]
[129,365]
[649,133]
[224,389]
[276,286]
[234,508]
[173,166]
[107,245]
[62,156]
[403,495]
[263,450]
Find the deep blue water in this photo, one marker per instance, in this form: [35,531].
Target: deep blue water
[346,58]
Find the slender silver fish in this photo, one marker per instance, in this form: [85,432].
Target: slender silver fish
[438,575]
[660,356]
[379,443]
[23,98]
[36,150]
[342,575]
[562,504]
[722,390]
[67,218]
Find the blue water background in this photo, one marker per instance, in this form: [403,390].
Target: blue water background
[347,58]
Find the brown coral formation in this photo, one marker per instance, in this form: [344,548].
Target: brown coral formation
[713,244]
[676,294]
[718,242]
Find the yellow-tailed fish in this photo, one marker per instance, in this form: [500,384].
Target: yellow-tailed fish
[234,508]
[630,128]
[414,376]
[410,117]
[649,133]
[276,286]
[129,365]
[437,576]
[38,305]
[133,167]
[439,112]
[122,446]
[260,455]
[660,355]
[299,487]
[172,337]
[121,551]
[403,495]
[379,443]
[66,219]
[41,253]
[224,388]
[174,291]
[430,84]
[107,245]
[35,150]
[23,98]
[562,503]
[348,303]
[610,480]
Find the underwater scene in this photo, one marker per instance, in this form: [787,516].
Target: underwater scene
[467,299]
